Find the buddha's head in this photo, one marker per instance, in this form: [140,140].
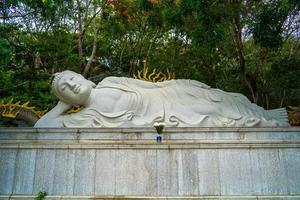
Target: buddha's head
[72,88]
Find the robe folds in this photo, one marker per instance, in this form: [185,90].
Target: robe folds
[177,103]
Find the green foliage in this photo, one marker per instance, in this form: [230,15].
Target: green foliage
[144,5]
[267,31]
[284,76]
[22,76]
[41,196]
[6,52]
[267,27]
[194,39]
[285,72]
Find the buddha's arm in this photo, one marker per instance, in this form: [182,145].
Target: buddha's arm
[53,118]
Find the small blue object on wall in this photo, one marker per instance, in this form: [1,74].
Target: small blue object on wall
[158,138]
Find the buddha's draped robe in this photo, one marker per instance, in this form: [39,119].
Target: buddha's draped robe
[181,103]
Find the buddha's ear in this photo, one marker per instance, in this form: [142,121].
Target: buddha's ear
[92,83]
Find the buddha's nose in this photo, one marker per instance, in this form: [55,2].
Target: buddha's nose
[71,83]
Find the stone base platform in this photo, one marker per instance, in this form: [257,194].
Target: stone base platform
[189,163]
[201,197]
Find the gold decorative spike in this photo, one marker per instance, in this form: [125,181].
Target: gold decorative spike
[139,75]
[154,76]
[73,110]
[145,70]
[294,115]
[12,110]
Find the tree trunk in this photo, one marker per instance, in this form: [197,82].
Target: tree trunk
[240,50]
[89,63]
[80,30]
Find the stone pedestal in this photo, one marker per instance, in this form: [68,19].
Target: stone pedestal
[189,163]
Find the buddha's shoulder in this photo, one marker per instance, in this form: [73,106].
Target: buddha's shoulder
[115,79]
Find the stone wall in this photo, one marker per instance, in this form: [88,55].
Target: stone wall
[189,163]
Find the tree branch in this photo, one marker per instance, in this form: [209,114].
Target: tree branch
[237,29]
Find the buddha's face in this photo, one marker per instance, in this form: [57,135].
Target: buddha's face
[73,88]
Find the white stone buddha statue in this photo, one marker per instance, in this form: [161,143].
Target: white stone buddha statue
[127,102]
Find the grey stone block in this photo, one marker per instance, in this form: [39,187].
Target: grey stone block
[189,163]
[7,170]
[44,171]
[64,172]
[85,170]
[25,171]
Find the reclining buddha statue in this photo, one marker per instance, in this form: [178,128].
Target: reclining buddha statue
[127,102]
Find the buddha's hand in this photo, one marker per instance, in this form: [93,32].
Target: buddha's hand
[52,118]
